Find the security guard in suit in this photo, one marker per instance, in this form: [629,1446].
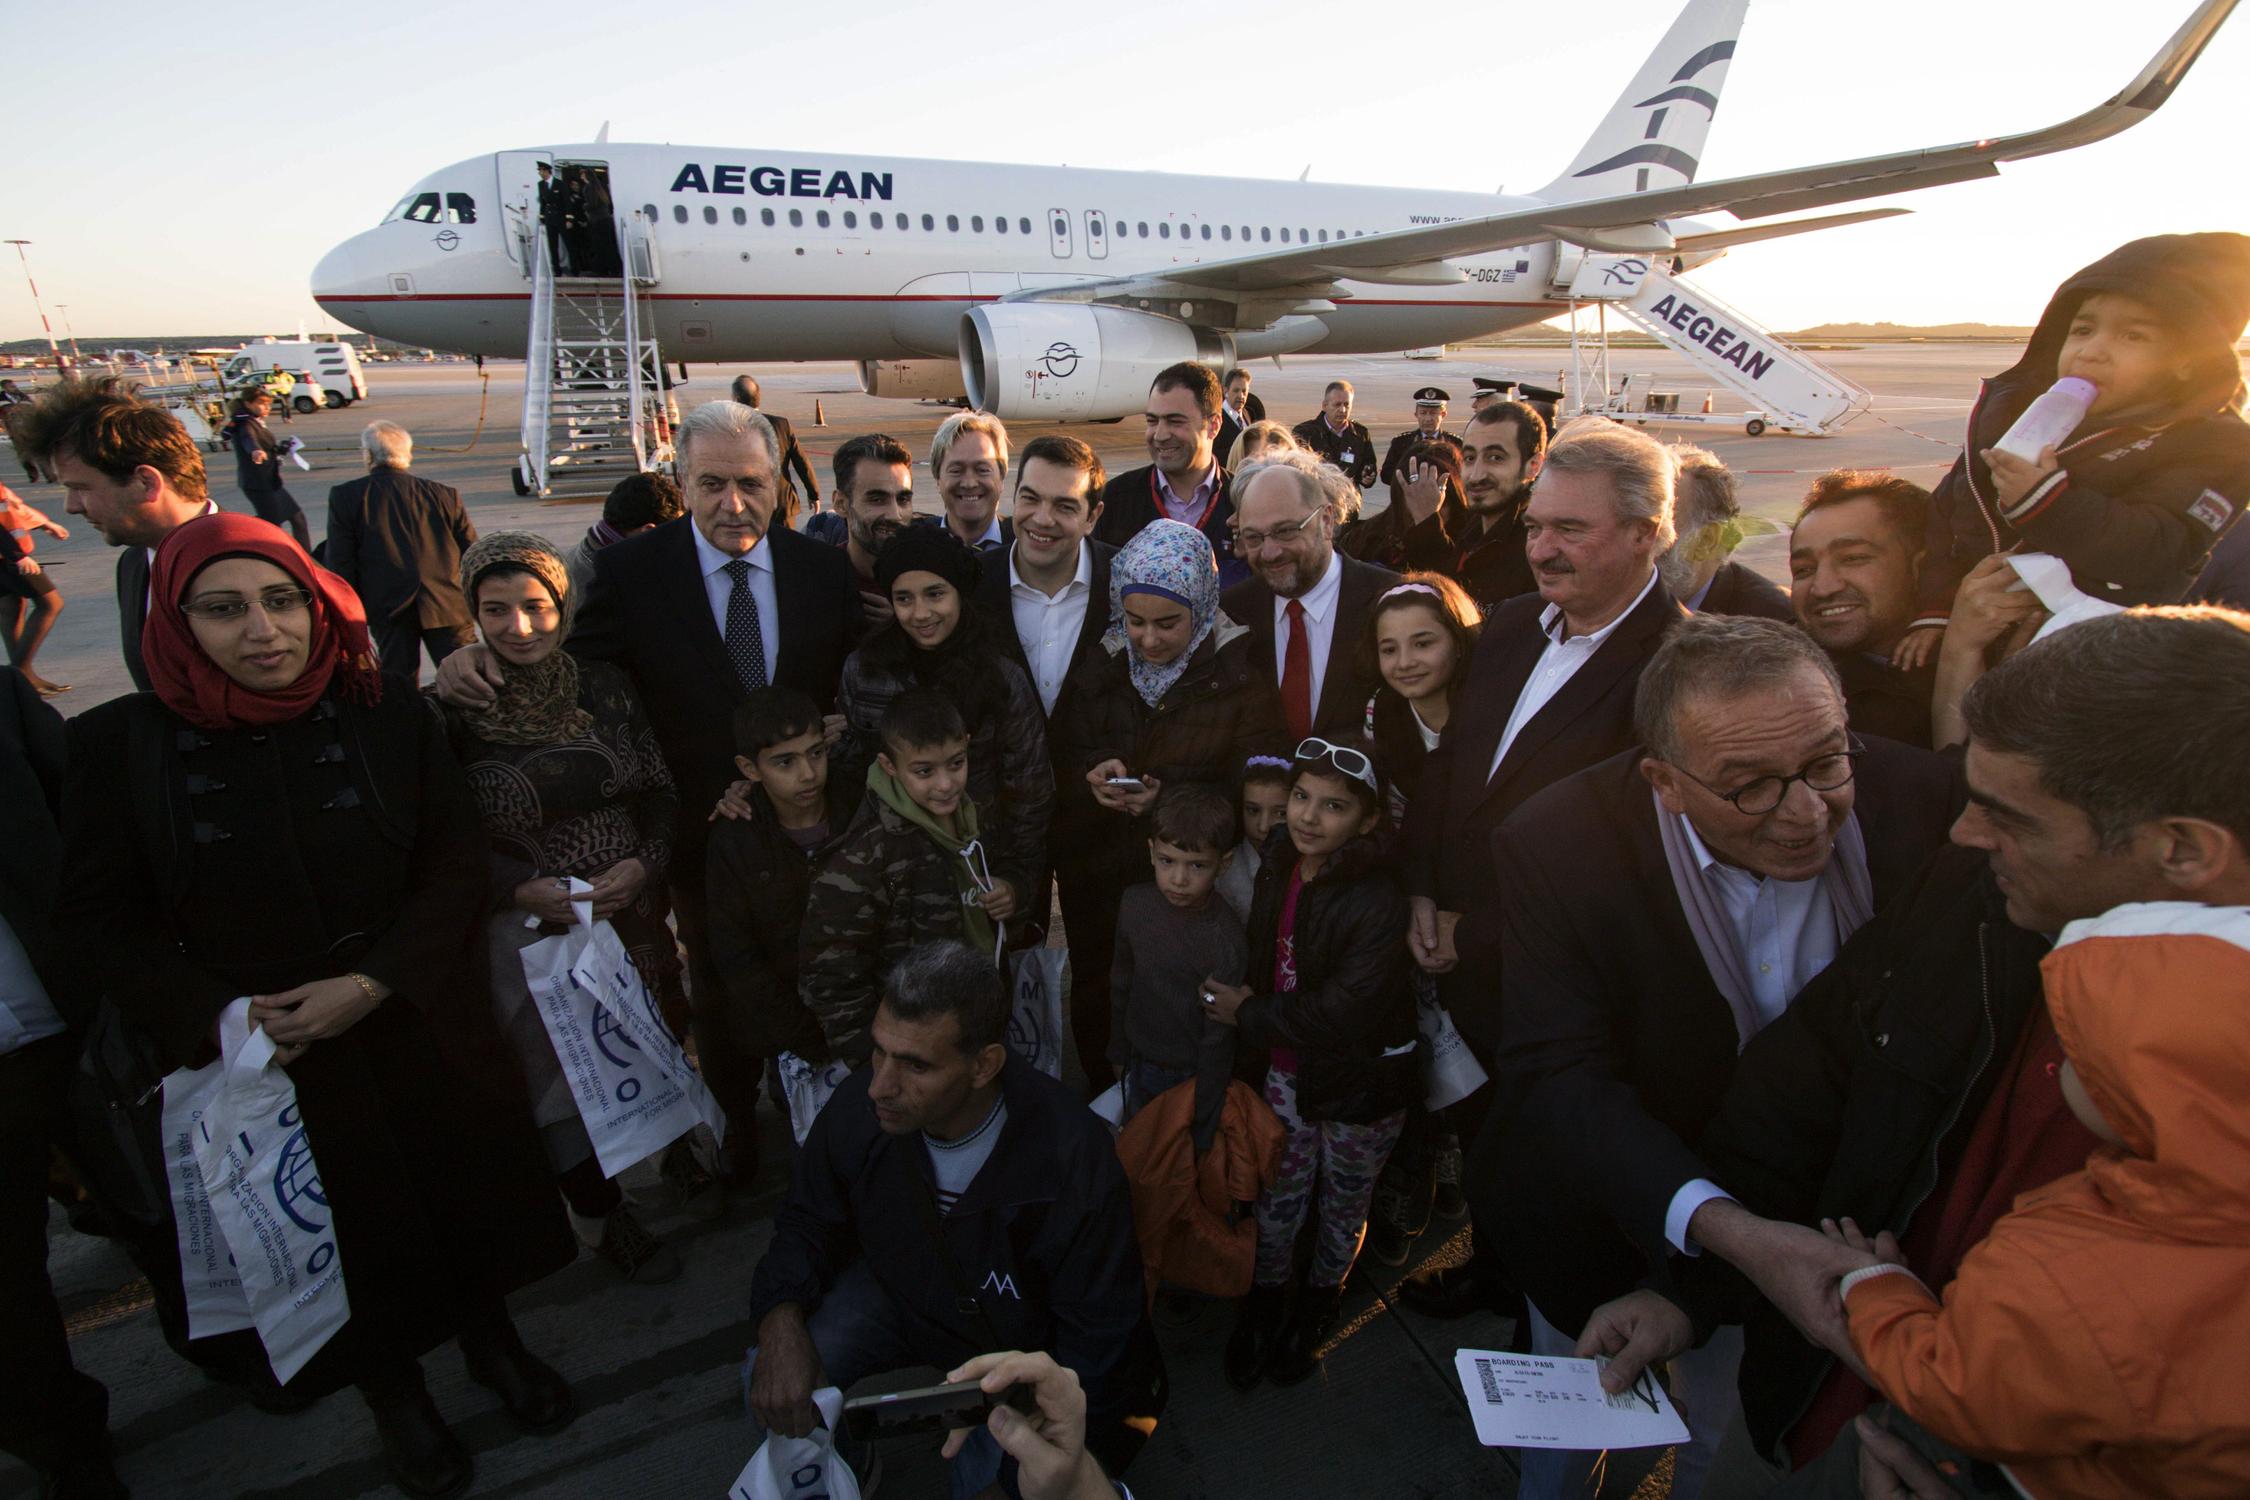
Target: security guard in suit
[1334,438]
[1430,403]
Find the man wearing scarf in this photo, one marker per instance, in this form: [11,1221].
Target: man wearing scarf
[1712,872]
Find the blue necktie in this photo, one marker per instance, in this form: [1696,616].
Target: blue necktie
[746,642]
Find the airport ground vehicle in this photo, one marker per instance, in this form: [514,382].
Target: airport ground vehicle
[333,367]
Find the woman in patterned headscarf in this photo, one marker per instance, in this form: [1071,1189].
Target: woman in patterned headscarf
[1175,698]
[570,782]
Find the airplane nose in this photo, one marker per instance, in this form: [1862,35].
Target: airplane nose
[345,271]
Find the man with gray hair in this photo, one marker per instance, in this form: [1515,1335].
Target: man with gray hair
[1549,692]
[1699,569]
[397,538]
[701,612]
[1305,604]
[1714,870]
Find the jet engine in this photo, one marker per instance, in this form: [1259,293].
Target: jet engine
[911,379]
[1063,362]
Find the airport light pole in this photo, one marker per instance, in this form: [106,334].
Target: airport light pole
[62,367]
[70,333]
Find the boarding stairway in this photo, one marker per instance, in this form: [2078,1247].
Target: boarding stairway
[1786,388]
[593,403]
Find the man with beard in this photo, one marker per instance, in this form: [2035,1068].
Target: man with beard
[1306,603]
[1855,556]
[1184,480]
[969,461]
[875,483]
[1482,547]
[1334,438]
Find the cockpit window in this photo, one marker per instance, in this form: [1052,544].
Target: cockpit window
[460,208]
[422,208]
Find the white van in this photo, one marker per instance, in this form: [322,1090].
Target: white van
[334,366]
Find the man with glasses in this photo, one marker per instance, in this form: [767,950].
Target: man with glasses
[1305,604]
[1713,871]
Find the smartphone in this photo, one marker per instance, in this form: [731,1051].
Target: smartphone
[1130,783]
[929,1408]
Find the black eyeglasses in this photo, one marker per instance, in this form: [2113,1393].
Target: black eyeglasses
[1756,798]
[234,606]
[1353,763]
[1283,535]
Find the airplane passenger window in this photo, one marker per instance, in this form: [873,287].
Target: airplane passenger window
[765,217]
[900,220]
[1267,234]
[796,218]
[851,220]
[679,213]
[1304,236]
[1000,223]
[648,212]
[424,208]
[741,216]
[1144,229]
[1062,226]
[1226,231]
[460,208]
[928,224]
[1094,228]
[1285,234]
[710,214]
[952,223]
[1324,236]
[1163,231]
[976,223]
[820,217]
[1023,226]
[874,221]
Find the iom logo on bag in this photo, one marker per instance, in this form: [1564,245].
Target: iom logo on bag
[296,1181]
[1026,1032]
[606,1031]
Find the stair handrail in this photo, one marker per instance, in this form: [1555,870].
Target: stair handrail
[636,406]
[539,368]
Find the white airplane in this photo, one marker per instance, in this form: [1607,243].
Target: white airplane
[1057,293]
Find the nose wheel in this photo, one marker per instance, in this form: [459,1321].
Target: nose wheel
[519,475]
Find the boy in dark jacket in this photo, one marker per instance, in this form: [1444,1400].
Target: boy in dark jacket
[1335,1010]
[761,870]
[2136,497]
[1172,934]
[912,869]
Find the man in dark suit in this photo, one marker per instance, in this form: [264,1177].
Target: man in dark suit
[701,612]
[397,539]
[1429,427]
[1306,604]
[1238,410]
[130,470]
[1698,569]
[1549,693]
[1334,438]
[1855,564]
[552,215]
[1712,872]
[1184,480]
[745,392]
[52,1416]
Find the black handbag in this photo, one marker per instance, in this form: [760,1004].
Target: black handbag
[116,1102]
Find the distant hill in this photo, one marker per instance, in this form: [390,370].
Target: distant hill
[1881,331]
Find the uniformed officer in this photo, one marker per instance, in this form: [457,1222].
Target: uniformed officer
[1430,403]
[551,217]
[1334,438]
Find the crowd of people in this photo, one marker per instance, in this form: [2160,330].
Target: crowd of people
[1852,976]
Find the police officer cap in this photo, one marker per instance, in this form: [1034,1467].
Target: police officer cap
[1431,395]
[1487,386]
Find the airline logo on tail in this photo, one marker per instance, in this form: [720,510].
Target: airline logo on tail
[1681,92]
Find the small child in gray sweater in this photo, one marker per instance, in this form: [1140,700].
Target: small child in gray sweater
[1172,933]
[1265,798]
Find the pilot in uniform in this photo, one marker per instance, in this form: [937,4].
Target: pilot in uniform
[1429,427]
[551,219]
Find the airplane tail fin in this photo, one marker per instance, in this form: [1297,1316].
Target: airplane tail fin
[1653,135]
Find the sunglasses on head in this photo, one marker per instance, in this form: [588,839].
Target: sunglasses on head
[1351,762]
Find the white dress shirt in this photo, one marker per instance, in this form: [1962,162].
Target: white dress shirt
[1048,624]
[1320,625]
[1558,663]
[1785,932]
[26,1014]
[718,587]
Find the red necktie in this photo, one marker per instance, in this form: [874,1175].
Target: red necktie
[1296,675]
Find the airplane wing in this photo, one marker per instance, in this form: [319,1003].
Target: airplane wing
[1634,221]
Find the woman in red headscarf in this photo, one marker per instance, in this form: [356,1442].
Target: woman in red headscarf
[278,820]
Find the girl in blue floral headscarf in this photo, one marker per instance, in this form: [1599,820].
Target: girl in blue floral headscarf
[1173,561]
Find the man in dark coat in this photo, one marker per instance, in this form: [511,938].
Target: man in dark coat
[1334,438]
[1240,409]
[1549,693]
[52,1417]
[1680,924]
[397,539]
[1699,570]
[702,611]
[1854,556]
[1429,427]
[1914,1086]
[130,470]
[745,391]
[551,215]
[1306,604]
[1479,544]
[1184,480]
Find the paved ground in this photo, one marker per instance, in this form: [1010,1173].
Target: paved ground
[655,1367]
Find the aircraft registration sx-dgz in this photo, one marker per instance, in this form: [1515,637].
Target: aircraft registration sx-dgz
[1058,293]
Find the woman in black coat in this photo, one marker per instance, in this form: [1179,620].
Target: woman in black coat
[1175,697]
[278,821]
[258,456]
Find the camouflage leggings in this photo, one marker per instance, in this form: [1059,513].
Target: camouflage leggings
[1346,1159]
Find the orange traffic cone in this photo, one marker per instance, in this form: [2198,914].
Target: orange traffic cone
[1707,403]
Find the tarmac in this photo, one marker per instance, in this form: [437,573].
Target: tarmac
[656,1369]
